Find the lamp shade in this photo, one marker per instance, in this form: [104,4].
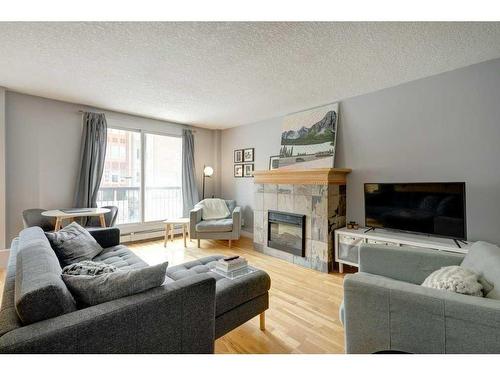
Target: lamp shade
[208,171]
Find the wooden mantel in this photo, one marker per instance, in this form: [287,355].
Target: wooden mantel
[313,176]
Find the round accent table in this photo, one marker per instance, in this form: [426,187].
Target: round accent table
[169,228]
[71,213]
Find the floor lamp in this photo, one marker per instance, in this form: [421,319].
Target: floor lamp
[207,172]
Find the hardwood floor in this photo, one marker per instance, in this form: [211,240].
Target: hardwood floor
[303,306]
[303,312]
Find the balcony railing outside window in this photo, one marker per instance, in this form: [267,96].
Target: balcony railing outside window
[162,202]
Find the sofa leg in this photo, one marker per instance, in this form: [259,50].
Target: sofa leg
[262,318]
[229,243]
[198,243]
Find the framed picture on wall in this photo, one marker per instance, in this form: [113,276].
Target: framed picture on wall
[274,162]
[247,170]
[248,155]
[238,170]
[238,156]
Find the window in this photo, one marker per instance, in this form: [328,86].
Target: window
[163,168]
[142,195]
[121,182]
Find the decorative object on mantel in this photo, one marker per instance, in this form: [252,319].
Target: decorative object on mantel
[352,225]
[274,162]
[247,170]
[309,138]
[207,172]
[314,176]
[248,155]
[238,170]
[238,156]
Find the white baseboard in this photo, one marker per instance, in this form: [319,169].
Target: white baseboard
[4,258]
[246,234]
[148,235]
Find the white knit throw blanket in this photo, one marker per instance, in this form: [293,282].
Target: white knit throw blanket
[455,279]
[213,208]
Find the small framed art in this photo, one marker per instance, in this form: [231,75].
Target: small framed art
[248,155]
[238,170]
[274,162]
[238,156]
[247,170]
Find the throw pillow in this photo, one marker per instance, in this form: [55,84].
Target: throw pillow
[89,268]
[483,259]
[455,279]
[213,209]
[73,243]
[93,290]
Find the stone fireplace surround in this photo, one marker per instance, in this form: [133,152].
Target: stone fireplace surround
[321,199]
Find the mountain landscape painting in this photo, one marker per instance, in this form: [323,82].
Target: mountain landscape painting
[308,138]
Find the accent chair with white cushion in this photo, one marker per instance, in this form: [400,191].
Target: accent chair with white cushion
[215,219]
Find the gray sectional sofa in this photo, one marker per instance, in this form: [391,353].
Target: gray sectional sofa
[184,315]
[386,308]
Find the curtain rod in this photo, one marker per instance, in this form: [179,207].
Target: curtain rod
[184,126]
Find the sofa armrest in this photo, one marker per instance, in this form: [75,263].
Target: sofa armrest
[106,237]
[383,314]
[236,216]
[408,264]
[178,317]
[194,218]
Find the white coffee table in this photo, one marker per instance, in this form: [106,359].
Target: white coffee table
[70,215]
[169,228]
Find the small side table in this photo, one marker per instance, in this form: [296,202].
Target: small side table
[169,228]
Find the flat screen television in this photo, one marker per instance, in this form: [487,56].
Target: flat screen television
[436,208]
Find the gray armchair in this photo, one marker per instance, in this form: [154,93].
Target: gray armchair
[109,217]
[220,229]
[33,217]
[386,308]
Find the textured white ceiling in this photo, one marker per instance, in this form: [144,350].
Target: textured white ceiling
[220,75]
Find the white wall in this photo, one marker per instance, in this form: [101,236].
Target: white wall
[441,128]
[43,150]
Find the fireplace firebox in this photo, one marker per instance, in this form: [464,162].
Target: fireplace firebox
[287,232]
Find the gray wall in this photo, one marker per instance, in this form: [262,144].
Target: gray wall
[2,168]
[43,149]
[441,128]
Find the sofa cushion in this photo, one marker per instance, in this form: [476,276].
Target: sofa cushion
[483,259]
[229,294]
[93,290]
[73,244]
[121,257]
[455,279]
[210,226]
[40,293]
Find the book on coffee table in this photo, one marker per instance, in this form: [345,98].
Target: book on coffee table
[231,264]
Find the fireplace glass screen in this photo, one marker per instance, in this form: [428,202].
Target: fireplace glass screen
[286,232]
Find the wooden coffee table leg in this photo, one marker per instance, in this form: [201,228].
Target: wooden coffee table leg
[184,234]
[166,236]
[102,220]
[57,224]
[171,232]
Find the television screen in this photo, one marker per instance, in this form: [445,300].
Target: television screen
[432,208]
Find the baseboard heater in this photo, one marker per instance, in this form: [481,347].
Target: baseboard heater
[145,235]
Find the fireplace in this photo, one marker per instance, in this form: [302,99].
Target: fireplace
[287,232]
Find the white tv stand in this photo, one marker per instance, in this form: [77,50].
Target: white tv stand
[348,241]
